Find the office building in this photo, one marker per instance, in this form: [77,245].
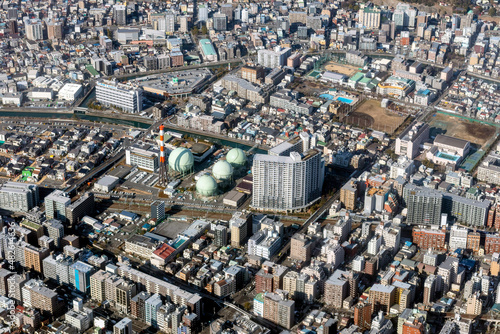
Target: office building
[124,291]
[287,183]
[245,89]
[220,22]
[274,58]
[220,234]
[12,14]
[158,21]
[34,30]
[120,15]
[170,23]
[404,16]
[125,97]
[143,156]
[123,326]
[79,276]
[79,317]
[18,197]
[55,205]
[158,210]
[458,238]
[449,273]
[202,13]
[264,244]
[137,305]
[141,246]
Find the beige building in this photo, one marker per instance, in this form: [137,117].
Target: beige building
[239,224]
[474,305]
[140,246]
[253,74]
[382,297]
[301,287]
[348,195]
[98,285]
[301,247]
[279,309]
[33,257]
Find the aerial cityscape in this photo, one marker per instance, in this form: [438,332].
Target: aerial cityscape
[249,167]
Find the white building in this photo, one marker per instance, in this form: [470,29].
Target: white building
[16,99]
[144,157]
[16,196]
[70,92]
[126,97]
[287,183]
[55,205]
[274,58]
[358,264]
[374,245]
[458,238]
[80,317]
[34,30]
[42,93]
[106,183]
[333,253]
[124,326]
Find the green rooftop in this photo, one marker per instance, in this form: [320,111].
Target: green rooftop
[92,70]
[259,297]
[30,224]
[365,80]
[356,77]
[207,47]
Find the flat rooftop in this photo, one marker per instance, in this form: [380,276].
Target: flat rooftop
[174,82]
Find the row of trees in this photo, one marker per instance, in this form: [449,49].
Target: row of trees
[196,31]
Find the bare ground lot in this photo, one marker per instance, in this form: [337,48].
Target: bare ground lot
[371,115]
[476,133]
[341,68]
